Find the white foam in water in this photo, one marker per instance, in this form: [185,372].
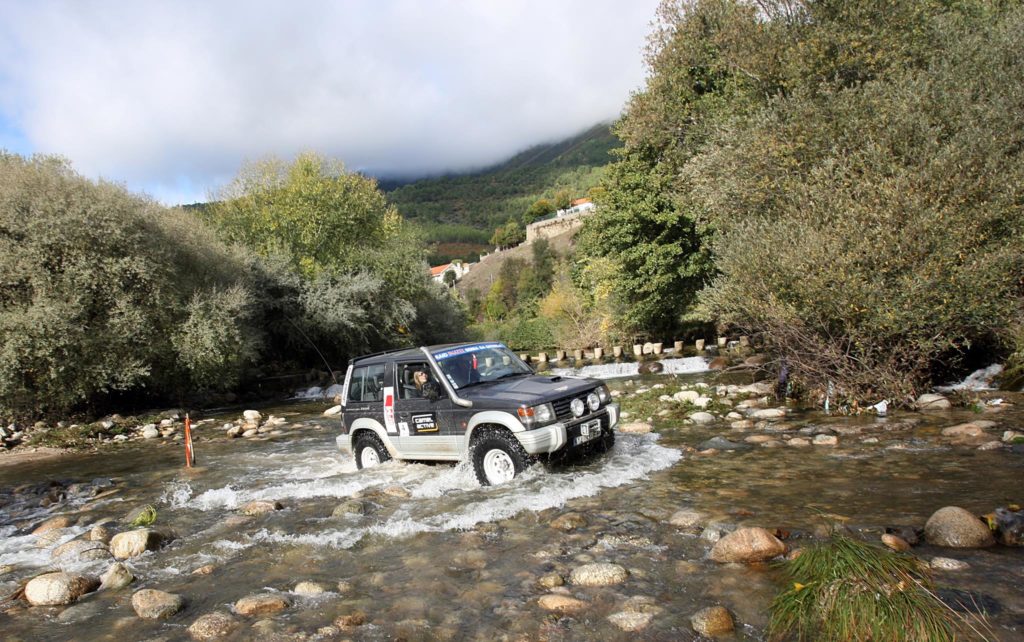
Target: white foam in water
[977,380]
[634,457]
[684,365]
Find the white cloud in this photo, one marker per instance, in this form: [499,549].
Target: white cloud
[171,97]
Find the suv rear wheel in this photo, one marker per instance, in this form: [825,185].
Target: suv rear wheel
[369,451]
[497,456]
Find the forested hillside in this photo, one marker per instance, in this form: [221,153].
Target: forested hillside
[458,214]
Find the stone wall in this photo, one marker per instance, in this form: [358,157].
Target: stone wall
[554,226]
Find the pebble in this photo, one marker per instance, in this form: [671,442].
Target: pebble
[686,519]
[213,626]
[636,427]
[712,621]
[115,577]
[151,604]
[825,440]
[569,521]
[309,588]
[261,604]
[630,621]
[356,618]
[948,564]
[260,507]
[702,418]
[598,574]
[747,545]
[561,603]
[895,542]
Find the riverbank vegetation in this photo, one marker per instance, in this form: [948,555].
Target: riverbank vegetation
[839,178]
[846,589]
[109,300]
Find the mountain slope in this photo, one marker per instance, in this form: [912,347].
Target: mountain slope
[483,200]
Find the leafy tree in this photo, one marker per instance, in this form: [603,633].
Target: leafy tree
[563,199]
[540,208]
[449,278]
[310,209]
[509,235]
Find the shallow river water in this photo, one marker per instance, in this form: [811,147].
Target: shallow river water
[435,556]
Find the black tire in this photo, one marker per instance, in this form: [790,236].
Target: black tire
[496,447]
[366,440]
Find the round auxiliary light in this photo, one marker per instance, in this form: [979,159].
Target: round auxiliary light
[577,407]
[593,402]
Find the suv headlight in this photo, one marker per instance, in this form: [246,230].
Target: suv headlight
[593,402]
[603,394]
[536,415]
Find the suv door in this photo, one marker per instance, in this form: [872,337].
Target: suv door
[425,427]
[365,394]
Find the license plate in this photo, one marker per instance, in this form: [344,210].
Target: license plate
[589,430]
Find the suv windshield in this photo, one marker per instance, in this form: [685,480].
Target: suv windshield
[479,363]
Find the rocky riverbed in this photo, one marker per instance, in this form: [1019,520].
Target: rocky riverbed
[669,536]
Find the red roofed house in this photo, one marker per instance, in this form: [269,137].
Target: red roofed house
[456,267]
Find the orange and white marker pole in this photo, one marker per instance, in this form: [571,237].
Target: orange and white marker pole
[190,457]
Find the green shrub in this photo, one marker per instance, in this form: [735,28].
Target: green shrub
[877,235]
[845,589]
[528,335]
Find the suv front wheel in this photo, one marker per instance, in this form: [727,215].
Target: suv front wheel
[497,456]
[369,451]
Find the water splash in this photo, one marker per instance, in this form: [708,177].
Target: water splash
[684,365]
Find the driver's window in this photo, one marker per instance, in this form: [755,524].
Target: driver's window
[412,377]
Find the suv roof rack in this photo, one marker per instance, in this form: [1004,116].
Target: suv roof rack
[378,354]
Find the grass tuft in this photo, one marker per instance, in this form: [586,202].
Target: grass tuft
[846,589]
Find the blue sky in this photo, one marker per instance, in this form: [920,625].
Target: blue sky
[170,98]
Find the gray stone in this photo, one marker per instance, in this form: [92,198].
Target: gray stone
[151,604]
[561,603]
[150,432]
[954,527]
[702,418]
[825,440]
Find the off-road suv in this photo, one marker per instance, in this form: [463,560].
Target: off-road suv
[475,401]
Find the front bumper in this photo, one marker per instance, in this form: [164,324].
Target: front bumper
[554,437]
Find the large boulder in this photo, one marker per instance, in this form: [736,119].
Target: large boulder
[54,589]
[768,413]
[213,626]
[599,574]
[151,604]
[954,527]
[252,417]
[134,543]
[747,545]
[971,434]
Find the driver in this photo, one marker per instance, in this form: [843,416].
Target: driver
[424,386]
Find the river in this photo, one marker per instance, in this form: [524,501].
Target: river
[426,553]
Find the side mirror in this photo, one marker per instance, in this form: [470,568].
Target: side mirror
[431,391]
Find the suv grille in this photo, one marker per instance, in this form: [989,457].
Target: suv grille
[562,410]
